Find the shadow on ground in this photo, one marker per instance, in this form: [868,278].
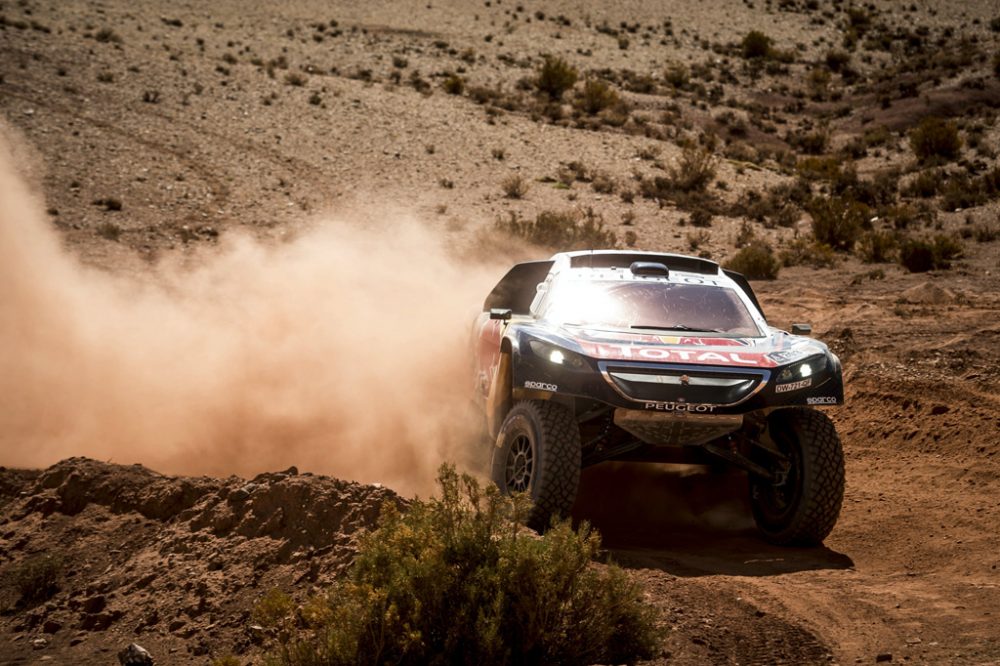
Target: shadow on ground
[686,520]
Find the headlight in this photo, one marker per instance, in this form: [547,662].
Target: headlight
[554,354]
[799,371]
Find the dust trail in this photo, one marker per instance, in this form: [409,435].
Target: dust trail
[342,352]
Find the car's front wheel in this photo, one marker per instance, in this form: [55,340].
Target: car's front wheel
[538,452]
[801,504]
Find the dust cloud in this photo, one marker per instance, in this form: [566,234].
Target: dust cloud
[343,352]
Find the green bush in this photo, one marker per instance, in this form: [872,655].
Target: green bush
[838,222]
[877,247]
[694,171]
[458,580]
[935,139]
[807,252]
[919,255]
[36,579]
[925,184]
[514,186]
[555,77]
[454,85]
[756,261]
[565,230]
[755,45]
[596,96]
[837,61]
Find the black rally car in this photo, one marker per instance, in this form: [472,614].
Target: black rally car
[639,356]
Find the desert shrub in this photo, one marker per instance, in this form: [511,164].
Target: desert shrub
[925,184]
[919,255]
[227,660]
[755,45]
[807,252]
[837,61]
[696,239]
[935,139]
[454,85]
[107,36]
[514,186]
[596,96]
[694,171]
[109,231]
[996,64]
[296,79]
[603,183]
[700,218]
[877,247]
[962,191]
[811,143]
[567,230]
[985,233]
[37,578]
[458,580]
[555,77]
[676,74]
[273,608]
[756,261]
[838,222]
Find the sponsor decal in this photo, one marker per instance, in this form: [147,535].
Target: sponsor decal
[680,407]
[793,386]
[541,386]
[822,400]
[645,353]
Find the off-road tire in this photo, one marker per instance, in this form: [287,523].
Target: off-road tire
[815,482]
[551,432]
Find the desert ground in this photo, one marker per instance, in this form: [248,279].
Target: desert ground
[241,244]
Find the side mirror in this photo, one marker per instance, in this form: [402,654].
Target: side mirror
[801,329]
[500,313]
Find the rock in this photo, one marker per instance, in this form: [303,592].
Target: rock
[95,604]
[135,655]
[242,493]
[257,634]
[39,643]
[883,657]
[51,626]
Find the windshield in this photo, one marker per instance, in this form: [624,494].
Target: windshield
[649,305]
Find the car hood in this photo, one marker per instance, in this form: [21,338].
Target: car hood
[774,349]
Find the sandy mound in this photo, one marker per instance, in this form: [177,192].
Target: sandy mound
[174,563]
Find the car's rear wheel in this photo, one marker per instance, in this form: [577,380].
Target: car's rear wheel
[538,452]
[801,504]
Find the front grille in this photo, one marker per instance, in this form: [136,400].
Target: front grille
[663,383]
[676,429]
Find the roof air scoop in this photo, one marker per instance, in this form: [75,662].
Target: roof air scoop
[650,268]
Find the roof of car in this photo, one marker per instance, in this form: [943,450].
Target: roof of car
[623,259]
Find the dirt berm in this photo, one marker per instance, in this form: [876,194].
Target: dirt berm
[177,565]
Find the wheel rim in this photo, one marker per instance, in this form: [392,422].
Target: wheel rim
[520,464]
[776,502]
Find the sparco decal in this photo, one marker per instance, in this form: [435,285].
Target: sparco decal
[822,400]
[680,407]
[793,386]
[541,386]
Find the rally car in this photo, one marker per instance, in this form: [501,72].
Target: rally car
[652,357]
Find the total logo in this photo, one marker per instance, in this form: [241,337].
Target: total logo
[686,407]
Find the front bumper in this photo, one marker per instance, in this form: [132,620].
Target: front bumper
[676,388]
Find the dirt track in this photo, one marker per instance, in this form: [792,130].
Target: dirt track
[910,570]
